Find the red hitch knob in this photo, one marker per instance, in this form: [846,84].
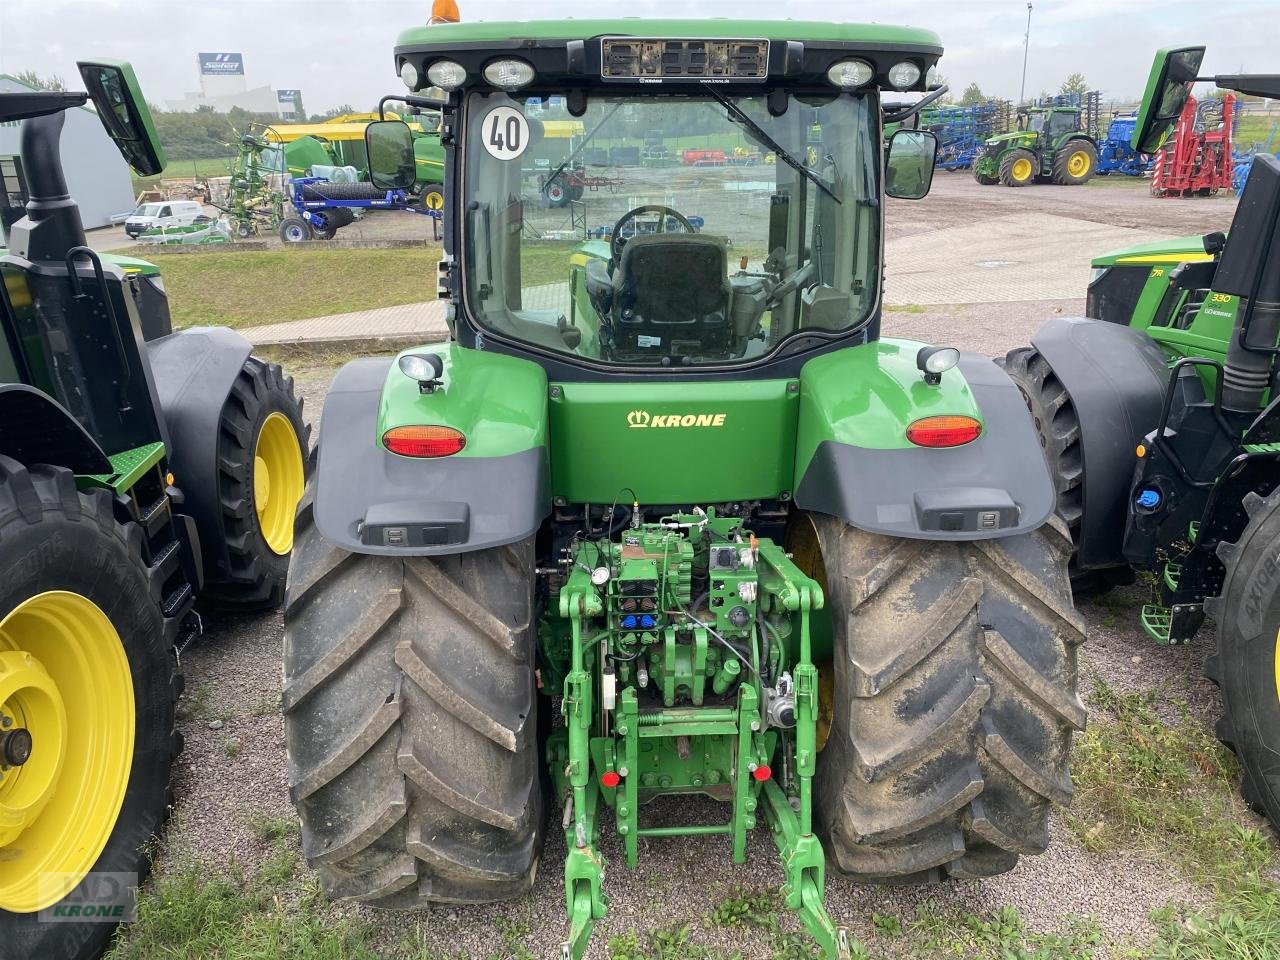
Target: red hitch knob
[762,772]
[610,779]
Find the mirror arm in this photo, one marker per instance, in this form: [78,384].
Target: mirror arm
[429,102]
[909,111]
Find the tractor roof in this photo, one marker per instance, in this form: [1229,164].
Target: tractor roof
[569,51]
[502,33]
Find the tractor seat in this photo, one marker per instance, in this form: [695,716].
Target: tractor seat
[671,296]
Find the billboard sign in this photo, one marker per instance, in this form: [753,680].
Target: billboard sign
[222,64]
[287,96]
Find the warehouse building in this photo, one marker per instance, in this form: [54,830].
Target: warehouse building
[97,175]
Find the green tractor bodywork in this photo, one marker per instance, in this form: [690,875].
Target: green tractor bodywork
[675,493]
[1049,146]
[1165,428]
[147,469]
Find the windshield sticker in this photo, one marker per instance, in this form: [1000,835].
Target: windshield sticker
[505,133]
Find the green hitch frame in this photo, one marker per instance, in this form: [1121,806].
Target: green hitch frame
[622,756]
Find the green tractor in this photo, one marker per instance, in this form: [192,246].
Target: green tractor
[1159,418]
[140,469]
[1049,144]
[666,547]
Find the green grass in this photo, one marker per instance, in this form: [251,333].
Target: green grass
[183,169]
[244,288]
[194,912]
[998,935]
[1165,788]
[1246,926]
[1256,128]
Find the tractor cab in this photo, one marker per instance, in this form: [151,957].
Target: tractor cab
[1049,123]
[587,252]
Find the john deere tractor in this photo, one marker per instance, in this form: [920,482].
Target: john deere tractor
[140,470]
[1048,145]
[655,524]
[1159,417]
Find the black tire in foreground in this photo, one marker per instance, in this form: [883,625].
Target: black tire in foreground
[1246,665]
[64,563]
[1019,168]
[262,453]
[411,721]
[1075,163]
[954,701]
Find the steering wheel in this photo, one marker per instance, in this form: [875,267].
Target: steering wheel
[619,241]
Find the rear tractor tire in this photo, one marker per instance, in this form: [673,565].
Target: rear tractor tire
[410,721]
[1246,665]
[954,701]
[1075,163]
[1019,168]
[84,661]
[1058,427]
[262,452]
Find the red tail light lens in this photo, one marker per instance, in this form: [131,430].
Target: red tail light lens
[424,441]
[944,431]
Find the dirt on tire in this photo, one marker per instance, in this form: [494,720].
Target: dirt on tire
[954,705]
[411,721]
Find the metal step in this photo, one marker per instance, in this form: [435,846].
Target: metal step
[1156,621]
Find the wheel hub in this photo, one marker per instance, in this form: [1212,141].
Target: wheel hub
[66,745]
[277,481]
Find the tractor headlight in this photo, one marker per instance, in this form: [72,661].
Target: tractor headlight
[849,74]
[447,75]
[904,74]
[509,74]
[1098,274]
[409,74]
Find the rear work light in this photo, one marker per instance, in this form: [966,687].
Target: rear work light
[424,441]
[944,431]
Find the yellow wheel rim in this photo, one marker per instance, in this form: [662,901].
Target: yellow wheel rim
[277,481]
[1022,169]
[64,679]
[1078,164]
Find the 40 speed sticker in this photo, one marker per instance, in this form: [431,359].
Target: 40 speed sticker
[505,133]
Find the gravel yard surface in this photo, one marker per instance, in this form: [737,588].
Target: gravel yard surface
[232,774]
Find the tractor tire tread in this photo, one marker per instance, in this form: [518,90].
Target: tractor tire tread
[949,764]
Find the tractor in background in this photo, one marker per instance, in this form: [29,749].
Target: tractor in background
[1049,145]
[651,531]
[1159,417]
[141,471]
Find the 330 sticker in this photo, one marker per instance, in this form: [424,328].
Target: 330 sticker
[505,133]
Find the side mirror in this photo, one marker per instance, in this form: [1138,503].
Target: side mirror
[910,166]
[113,87]
[1173,74]
[389,144]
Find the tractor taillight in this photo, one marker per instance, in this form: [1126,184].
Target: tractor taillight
[944,431]
[424,441]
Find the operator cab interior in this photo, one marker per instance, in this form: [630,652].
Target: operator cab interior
[581,237]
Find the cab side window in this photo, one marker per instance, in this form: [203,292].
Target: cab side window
[166,212]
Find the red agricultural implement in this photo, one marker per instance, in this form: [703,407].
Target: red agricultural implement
[704,158]
[1196,162]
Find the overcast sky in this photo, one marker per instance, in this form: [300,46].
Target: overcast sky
[341,52]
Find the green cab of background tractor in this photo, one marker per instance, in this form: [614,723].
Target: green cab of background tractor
[666,518]
[145,469]
[1160,425]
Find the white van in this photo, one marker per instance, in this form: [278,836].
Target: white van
[166,213]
